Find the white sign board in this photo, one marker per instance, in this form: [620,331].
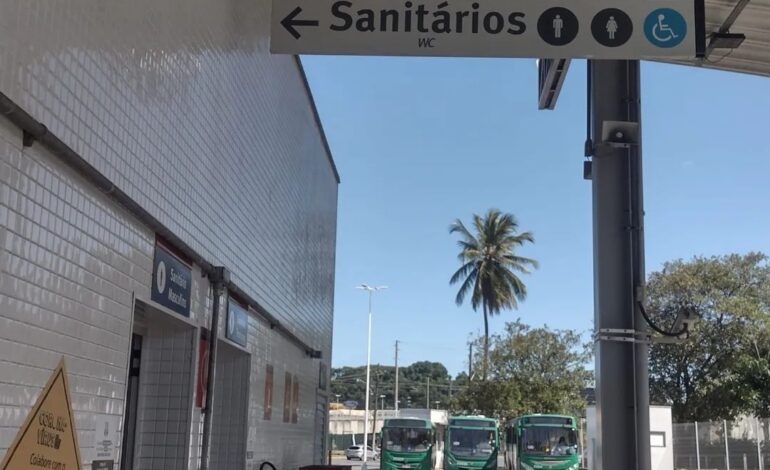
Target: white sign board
[105,440]
[628,29]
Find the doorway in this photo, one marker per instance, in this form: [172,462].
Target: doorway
[132,399]
[231,408]
[159,391]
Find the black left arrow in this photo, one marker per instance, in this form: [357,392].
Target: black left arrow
[290,22]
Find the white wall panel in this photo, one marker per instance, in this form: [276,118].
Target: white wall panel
[69,262]
[179,103]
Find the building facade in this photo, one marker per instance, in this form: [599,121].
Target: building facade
[159,171]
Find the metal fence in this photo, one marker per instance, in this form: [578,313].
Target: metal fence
[743,444]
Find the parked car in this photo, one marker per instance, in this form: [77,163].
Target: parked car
[357,452]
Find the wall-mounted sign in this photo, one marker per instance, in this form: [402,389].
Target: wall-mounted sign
[47,439]
[105,428]
[171,282]
[624,29]
[237,329]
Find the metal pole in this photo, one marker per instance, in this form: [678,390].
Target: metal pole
[727,447]
[622,390]
[470,360]
[395,404]
[368,361]
[697,445]
[759,447]
[427,395]
[218,291]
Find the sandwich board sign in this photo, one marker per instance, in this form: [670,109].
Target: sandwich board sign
[557,29]
[47,439]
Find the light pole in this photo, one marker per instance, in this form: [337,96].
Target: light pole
[371,290]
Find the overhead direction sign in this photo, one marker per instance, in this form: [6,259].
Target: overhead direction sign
[626,29]
[47,439]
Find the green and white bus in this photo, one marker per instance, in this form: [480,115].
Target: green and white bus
[540,441]
[407,443]
[472,443]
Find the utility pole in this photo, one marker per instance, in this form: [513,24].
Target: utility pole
[395,405]
[376,395]
[427,395]
[622,382]
[470,360]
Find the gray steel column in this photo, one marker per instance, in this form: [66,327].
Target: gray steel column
[622,384]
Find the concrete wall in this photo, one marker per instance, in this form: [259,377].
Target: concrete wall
[180,105]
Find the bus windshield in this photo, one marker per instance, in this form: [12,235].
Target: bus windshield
[548,441]
[406,439]
[472,441]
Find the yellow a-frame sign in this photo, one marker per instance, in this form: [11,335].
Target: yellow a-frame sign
[47,440]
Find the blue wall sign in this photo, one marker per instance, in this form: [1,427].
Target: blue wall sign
[171,282]
[237,329]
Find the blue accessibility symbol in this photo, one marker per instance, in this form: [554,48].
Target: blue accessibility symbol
[665,27]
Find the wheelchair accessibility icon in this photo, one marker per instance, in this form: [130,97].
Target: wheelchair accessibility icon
[665,27]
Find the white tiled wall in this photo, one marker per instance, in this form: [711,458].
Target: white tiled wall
[70,261]
[180,104]
[286,445]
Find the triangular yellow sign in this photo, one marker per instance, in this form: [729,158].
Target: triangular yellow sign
[48,438]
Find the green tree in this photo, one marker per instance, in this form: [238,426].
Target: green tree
[490,266]
[350,384]
[532,370]
[723,369]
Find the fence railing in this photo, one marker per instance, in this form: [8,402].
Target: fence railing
[743,444]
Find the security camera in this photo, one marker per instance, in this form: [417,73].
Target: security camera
[686,317]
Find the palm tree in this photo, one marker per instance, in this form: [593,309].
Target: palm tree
[490,266]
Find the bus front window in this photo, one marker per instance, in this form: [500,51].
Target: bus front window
[406,440]
[548,441]
[472,441]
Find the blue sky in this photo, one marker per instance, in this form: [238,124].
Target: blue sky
[420,142]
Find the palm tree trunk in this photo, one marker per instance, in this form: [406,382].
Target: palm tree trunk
[486,344]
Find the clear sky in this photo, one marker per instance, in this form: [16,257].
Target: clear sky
[420,142]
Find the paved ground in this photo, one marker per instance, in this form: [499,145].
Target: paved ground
[373,465]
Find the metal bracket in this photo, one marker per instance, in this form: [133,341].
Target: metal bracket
[27,139]
[621,335]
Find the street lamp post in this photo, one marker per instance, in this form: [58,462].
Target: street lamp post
[371,290]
